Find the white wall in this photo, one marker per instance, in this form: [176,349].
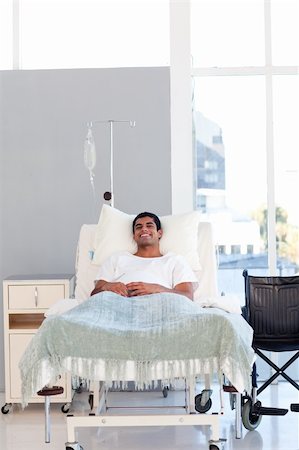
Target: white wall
[45,194]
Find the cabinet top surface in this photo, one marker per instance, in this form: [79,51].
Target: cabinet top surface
[61,276]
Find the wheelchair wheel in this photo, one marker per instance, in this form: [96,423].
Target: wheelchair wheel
[202,408]
[250,420]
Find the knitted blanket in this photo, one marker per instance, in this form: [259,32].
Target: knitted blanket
[146,330]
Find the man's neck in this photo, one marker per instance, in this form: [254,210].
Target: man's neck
[148,252]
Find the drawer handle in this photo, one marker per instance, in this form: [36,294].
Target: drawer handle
[36,296]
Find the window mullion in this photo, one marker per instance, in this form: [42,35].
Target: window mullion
[16,64]
[230,71]
[272,254]
[243,71]
[181,111]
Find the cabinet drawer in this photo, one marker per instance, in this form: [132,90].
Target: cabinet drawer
[34,296]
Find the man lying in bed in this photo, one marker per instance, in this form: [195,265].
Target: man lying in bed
[147,271]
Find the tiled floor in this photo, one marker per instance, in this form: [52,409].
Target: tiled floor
[24,430]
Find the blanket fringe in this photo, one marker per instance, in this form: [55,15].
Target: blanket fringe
[116,373]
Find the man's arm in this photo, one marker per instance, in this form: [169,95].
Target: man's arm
[140,288]
[117,288]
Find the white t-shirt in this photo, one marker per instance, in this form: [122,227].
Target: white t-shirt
[167,270]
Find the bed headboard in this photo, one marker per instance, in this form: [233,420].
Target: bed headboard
[207,276]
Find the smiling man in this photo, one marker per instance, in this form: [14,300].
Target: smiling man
[147,271]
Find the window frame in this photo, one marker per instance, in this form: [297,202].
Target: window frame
[268,71]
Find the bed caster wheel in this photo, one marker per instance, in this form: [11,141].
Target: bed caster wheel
[6,408]
[217,445]
[200,406]
[73,446]
[165,391]
[79,389]
[65,408]
[90,400]
[250,420]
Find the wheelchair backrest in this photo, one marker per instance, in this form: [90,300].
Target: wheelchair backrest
[272,305]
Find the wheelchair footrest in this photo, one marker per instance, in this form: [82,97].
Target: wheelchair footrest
[268,411]
[294,407]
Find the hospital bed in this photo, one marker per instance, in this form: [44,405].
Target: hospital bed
[169,370]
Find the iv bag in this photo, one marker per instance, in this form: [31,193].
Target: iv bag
[89,151]
[90,160]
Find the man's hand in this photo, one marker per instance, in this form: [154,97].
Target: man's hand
[117,288]
[140,288]
[137,288]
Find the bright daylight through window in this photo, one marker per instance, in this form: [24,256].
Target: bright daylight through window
[245,115]
[93,33]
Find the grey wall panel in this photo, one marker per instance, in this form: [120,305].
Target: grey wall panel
[45,190]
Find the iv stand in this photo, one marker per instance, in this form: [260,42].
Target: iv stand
[109,196]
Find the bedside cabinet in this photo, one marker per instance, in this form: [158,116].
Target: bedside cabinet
[25,301]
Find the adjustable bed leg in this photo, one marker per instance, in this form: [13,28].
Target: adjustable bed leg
[238,420]
[190,404]
[102,397]
[237,405]
[221,390]
[47,419]
[97,397]
[221,401]
[47,392]
[94,396]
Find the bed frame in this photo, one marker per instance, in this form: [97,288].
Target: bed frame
[189,417]
[85,274]
[99,416]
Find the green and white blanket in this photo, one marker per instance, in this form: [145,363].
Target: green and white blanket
[110,330]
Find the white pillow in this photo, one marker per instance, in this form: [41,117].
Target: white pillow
[229,303]
[114,233]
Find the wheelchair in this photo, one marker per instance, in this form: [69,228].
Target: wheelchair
[272,310]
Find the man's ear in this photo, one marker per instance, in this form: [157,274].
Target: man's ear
[160,233]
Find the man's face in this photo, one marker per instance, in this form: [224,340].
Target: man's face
[145,232]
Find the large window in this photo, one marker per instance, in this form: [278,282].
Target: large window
[246,115]
[286,152]
[222,33]
[6,34]
[245,56]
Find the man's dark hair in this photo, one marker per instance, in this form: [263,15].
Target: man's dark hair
[148,214]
